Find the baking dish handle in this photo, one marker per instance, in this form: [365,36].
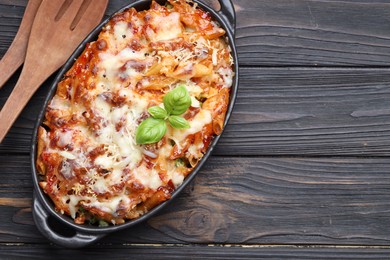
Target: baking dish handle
[41,218]
[228,13]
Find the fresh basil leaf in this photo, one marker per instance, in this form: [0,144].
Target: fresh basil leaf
[178,122]
[177,101]
[157,112]
[150,131]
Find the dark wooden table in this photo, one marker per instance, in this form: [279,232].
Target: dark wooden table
[303,169]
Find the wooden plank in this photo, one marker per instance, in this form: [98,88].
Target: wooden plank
[314,33]
[243,200]
[279,111]
[193,252]
[285,33]
[322,112]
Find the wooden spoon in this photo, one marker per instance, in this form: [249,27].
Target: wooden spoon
[58,28]
[14,57]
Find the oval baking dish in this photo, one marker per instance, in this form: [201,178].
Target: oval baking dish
[85,234]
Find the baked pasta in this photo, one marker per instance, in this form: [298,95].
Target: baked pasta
[89,162]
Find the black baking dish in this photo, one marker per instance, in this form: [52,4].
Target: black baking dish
[43,207]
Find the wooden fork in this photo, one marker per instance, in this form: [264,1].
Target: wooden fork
[58,28]
[16,53]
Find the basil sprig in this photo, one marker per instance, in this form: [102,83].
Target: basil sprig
[153,129]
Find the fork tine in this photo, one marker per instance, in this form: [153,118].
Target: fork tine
[72,8]
[65,5]
[93,11]
[80,12]
[54,9]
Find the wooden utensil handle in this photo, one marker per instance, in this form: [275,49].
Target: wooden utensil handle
[11,61]
[26,86]
[14,57]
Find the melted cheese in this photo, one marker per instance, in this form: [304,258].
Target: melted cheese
[107,206]
[122,31]
[227,76]
[148,178]
[167,27]
[67,155]
[121,146]
[196,124]
[100,186]
[59,103]
[177,178]
[111,64]
[65,138]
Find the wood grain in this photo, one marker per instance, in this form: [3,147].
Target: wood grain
[314,33]
[312,112]
[10,19]
[195,252]
[302,170]
[321,112]
[286,33]
[16,53]
[243,201]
